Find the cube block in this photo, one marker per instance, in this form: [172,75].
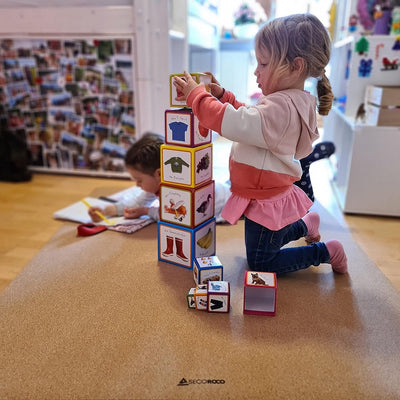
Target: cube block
[190,298]
[259,293]
[180,246]
[218,296]
[173,93]
[207,269]
[182,129]
[187,206]
[186,166]
[200,297]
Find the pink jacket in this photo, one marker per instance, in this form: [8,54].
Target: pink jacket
[269,139]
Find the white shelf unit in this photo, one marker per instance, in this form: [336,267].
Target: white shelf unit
[366,164]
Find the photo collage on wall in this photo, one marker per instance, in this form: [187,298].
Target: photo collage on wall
[71,100]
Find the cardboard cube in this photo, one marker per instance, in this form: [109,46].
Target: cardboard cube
[200,297]
[187,206]
[182,129]
[259,293]
[190,298]
[218,296]
[174,95]
[180,246]
[382,105]
[207,269]
[186,166]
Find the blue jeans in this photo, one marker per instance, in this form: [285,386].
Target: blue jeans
[264,248]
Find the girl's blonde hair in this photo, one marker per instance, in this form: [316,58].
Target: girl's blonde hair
[299,35]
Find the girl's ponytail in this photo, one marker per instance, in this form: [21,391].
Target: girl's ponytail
[325,95]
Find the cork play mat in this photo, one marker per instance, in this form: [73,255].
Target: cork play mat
[100,317]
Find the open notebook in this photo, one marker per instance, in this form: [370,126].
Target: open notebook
[78,212]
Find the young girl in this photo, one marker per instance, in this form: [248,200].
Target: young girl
[142,162]
[269,139]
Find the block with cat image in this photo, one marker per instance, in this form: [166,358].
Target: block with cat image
[259,296]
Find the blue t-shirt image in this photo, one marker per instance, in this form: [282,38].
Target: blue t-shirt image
[178,130]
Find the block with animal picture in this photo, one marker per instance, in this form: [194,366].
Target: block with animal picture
[207,269]
[180,245]
[186,166]
[187,206]
[259,295]
[176,98]
[218,296]
[182,129]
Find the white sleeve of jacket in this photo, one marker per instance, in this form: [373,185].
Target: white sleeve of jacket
[243,126]
[143,199]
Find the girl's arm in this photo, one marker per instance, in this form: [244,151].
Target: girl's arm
[142,205]
[240,125]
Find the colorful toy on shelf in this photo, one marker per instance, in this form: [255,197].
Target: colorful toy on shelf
[207,269]
[389,64]
[259,295]
[182,129]
[353,23]
[364,69]
[362,46]
[175,99]
[382,20]
[364,10]
[396,44]
[395,28]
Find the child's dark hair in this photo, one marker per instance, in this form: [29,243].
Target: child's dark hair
[299,35]
[144,155]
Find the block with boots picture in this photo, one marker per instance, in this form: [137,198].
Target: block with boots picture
[180,246]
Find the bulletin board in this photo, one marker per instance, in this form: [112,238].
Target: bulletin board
[80,82]
[71,99]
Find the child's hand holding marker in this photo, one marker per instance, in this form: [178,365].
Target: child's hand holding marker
[96,213]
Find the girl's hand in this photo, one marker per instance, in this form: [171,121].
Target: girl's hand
[135,212]
[185,85]
[216,90]
[215,87]
[93,215]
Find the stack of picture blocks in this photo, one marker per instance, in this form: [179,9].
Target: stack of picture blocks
[186,229]
[212,293]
